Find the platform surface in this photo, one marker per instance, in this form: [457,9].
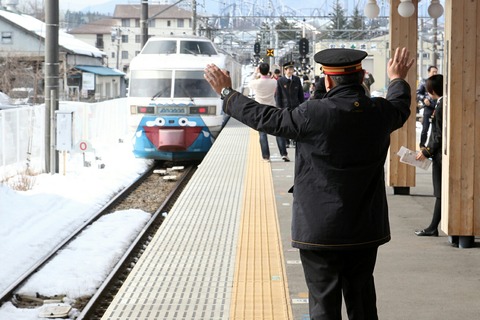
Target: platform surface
[218,255]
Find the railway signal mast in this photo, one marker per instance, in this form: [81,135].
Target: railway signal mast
[303,45]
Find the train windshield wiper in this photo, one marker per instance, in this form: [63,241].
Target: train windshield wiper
[187,93]
[158,94]
[190,51]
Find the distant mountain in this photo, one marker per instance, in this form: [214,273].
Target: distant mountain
[107,7]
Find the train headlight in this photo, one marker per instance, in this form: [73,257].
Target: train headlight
[145,110]
[203,110]
[182,122]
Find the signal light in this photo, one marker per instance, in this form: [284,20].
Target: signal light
[303,46]
[256,47]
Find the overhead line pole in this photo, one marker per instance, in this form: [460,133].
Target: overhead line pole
[51,82]
[144,22]
[144,19]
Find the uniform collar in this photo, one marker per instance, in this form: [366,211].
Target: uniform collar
[346,90]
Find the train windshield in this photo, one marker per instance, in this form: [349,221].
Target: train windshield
[197,47]
[192,84]
[151,83]
[160,47]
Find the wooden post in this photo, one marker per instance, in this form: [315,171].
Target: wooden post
[403,33]
[461,134]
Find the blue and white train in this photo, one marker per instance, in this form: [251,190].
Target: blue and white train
[177,112]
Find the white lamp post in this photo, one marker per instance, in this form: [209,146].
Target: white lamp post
[435,9]
[371,9]
[406,8]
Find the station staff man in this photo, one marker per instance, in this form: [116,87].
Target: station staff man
[340,212]
[289,95]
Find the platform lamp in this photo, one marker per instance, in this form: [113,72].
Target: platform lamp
[406,8]
[371,9]
[435,9]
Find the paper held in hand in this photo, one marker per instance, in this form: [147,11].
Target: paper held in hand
[409,157]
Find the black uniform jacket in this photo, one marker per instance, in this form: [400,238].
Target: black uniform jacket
[342,142]
[289,93]
[434,148]
[421,95]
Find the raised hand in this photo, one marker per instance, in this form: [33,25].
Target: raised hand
[217,78]
[399,65]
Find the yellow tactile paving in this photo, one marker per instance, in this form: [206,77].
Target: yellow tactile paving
[260,289]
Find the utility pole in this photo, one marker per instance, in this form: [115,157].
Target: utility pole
[272,58]
[51,82]
[434,55]
[420,60]
[117,32]
[194,18]
[144,23]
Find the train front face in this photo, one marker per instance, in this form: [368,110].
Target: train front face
[167,135]
[180,114]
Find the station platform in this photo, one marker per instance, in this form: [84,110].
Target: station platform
[224,250]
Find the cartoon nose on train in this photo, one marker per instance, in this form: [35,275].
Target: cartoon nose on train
[172,138]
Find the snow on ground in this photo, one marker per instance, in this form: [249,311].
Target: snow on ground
[33,222]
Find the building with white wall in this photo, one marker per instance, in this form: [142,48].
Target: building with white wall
[120,37]
[22,39]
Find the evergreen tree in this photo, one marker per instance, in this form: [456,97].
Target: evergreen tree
[339,22]
[356,23]
[286,30]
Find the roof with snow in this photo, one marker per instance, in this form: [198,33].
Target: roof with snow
[100,70]
[37,27]
[102,26]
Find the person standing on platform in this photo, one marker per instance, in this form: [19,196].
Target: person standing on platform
[320,90]
[264,88]
[289,95]
[433,150]
[368,80]
[428,105]
[340,211]
[306,87]
[276,74]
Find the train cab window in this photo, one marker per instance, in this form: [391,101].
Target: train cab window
[192,84]
[151,83]
[160,47]
[197,47]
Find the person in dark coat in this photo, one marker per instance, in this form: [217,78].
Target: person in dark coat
[340,212]
[289,88]
[289,95]
[428,105]
[320,90]
[433,150]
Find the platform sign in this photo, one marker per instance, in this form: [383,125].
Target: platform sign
[83,146]
[64,130]
[88,81]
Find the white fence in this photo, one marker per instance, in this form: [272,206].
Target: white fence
[22,131]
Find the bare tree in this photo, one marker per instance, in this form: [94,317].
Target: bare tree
[21,72]
[34,8]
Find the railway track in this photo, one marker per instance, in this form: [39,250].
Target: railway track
[157,202]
